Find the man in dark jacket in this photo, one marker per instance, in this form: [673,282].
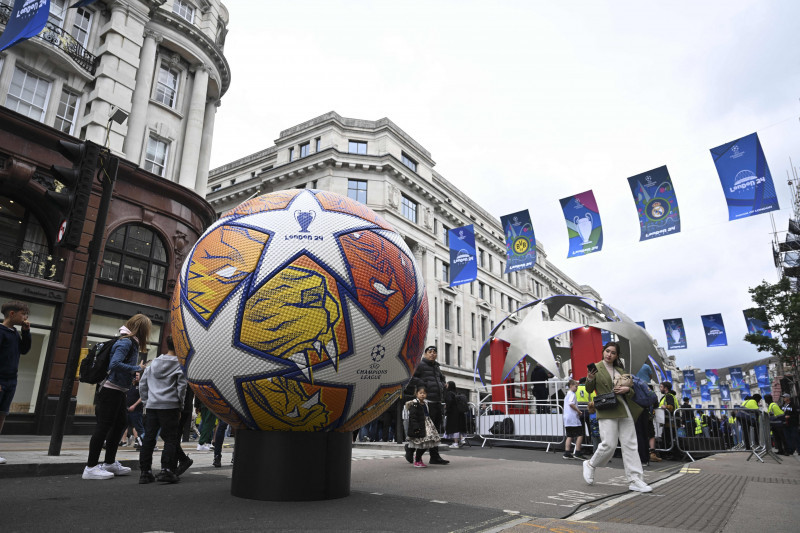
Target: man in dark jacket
[429,374]
[12,345]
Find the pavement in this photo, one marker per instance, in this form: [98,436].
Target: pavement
[501,488]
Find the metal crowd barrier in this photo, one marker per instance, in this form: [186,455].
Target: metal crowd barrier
[522,419]
[710,431]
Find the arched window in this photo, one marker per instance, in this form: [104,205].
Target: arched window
[23,245]
[135,256]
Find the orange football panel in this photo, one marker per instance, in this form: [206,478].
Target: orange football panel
[265,202]
[343,204]
[211,398]
[284,404]
[379,403]
[220,261]
[177,329]
[384,276]
[415,340]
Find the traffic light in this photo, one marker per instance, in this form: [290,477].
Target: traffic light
[73,199]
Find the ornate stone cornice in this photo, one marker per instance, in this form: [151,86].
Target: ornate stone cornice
[152,34]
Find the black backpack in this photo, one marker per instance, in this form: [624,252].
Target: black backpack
[506,427]
[94,367]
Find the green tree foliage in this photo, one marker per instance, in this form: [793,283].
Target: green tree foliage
[782,307]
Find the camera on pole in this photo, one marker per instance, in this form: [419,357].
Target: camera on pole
[73,199]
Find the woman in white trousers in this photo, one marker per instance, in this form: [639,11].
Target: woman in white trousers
[616,423]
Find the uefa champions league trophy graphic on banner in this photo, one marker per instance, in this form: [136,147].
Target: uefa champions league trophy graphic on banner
[675,333]
[584,225]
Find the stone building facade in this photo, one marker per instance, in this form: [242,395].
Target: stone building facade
[143,78]
[380,165]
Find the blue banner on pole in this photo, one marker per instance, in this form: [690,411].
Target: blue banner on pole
[463,266]
[756,320]
[668,373]
[715,330]
[736,376]
[520,241]
[688,380]
[584,227]
[676,335]
[744,389]
[762,375]
[705,393]
[640,324]
[27,19]
[656,203]
[724,393]
[605,336]
[745,177]
[712,375]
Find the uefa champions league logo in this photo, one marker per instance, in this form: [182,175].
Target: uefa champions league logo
[736,152]
[515,222]
[578,205]
[648,182]
[378,353]
[461,235]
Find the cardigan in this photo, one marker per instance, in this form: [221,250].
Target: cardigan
[603,384]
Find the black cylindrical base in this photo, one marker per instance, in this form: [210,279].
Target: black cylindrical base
[292,466]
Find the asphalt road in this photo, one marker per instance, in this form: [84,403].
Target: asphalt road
[482,489]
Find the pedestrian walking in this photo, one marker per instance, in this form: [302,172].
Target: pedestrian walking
[12,345]
[429,375]
[422,434]
[162,388]
[572,423]
[456,407]
[616,421]
[111,411]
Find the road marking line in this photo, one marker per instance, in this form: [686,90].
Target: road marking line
[437,501]
[612,502]
[377,493]
[510,512]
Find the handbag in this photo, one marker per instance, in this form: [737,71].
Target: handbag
[603,402]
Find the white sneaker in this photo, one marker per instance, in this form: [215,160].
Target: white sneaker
[96,472]
[588,473]
[2,460]
[640,486]
[116,469]
[203,447]
[455,445]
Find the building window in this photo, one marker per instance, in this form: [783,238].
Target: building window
[491,295]
[407,161]
[167,86]
[409,209]
[472,288]
[483,327]
[445,235]
[67,108]
[445,272]
[24,248]
[447,306]
[155,159]
[436,312]
[184,10]
[357,147]
[135,256]
[28,94]
[305,149]
[481,290]
[318,144]
[459,360]
[474,359]
[458,319]
[502,301]
[57,11]
[82,25]
[215,188]
[481,258]
[473,325]
[491,263]
[291,154]
[357,190]
[447,350]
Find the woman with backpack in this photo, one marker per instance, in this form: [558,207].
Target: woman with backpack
[616,412]
[455,409]
[110,401]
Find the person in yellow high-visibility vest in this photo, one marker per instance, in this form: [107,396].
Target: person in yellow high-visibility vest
[583,398]
[748,416]
[776,417]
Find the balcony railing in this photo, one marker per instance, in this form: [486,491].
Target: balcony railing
[33,264]
[61,40]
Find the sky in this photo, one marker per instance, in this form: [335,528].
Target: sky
[549,99]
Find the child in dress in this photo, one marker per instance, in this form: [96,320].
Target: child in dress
[422,434]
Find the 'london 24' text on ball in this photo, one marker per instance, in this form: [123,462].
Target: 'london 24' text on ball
[299,310]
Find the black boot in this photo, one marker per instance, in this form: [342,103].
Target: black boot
[184,465]
[146,477]
[409,454]
[436,459]
[217,462]
[167,476]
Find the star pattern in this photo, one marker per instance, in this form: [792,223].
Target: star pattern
[365,339]
[288,241]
